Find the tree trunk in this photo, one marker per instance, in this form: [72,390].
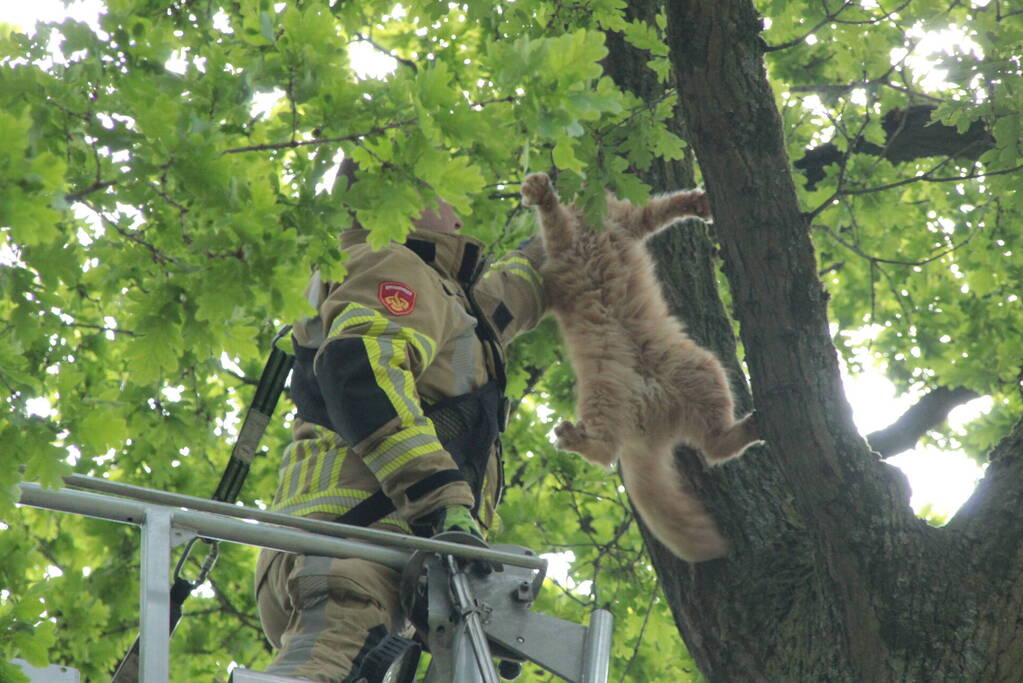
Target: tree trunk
[831,577]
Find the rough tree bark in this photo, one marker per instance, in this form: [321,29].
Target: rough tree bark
[831,577]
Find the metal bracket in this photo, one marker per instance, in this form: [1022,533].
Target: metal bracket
[456,597]
[181,536]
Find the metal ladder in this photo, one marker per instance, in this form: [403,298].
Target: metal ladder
[472,616]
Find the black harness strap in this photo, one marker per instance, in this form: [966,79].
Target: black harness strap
[371,510]
[268,391]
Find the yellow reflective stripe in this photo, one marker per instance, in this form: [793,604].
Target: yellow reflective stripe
[301,469]
[296,455]
[344,497]
[386,358]
[354,315]
[426,347]
[516,265]
[316,472]
[333,502]
[395,450]
[402,460]
[310,464]
[350,316]
[335,470]
[522,268]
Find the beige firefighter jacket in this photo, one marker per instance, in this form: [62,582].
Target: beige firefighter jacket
[397,335]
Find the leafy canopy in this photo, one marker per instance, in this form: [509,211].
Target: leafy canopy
[167,182]
[168,186]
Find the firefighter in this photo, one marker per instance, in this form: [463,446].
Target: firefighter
[399,389]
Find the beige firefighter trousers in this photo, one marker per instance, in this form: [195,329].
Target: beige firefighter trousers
[322,613]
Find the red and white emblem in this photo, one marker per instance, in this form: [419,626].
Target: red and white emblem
[397,297]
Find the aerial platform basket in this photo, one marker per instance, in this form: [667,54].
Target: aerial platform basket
[471,617]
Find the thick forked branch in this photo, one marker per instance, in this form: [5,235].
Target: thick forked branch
[769,257]
[929,412]
[994,513]
[988,530]
[836,483]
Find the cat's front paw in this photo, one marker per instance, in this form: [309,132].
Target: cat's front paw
[701,204]
[537,190]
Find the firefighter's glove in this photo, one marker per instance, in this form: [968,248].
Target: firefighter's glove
[459,518]
[455,518]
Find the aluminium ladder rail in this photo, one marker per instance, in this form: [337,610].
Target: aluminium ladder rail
[168,519]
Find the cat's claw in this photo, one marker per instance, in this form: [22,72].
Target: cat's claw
[537,189]
[568,435]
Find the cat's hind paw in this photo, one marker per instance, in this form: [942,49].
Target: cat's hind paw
[732,442]
[569,435]
[574,438]
[537,190]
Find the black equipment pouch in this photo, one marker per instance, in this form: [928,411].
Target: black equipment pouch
[468,426]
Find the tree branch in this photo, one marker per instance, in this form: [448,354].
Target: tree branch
[157,255]
[291,144]
[994,513]
[102,328]
[929,412]
[383,50]
[895,262]
[910,135]
[85,191]
[832,18]
[823,22]
[642,631]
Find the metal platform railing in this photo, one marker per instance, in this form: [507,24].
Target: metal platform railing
[167,520]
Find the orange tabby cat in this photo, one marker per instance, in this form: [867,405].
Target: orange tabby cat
[643,385]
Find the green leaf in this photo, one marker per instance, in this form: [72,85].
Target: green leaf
[103,427]
[564,156]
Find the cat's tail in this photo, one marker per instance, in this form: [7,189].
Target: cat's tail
[675,516]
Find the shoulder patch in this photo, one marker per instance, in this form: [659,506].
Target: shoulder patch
[397,297]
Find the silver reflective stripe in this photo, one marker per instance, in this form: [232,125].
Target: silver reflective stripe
[400,448]
[313,594]
[312,291]
[464,356]
[331,471]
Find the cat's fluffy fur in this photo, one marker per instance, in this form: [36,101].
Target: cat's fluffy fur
[643,385]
